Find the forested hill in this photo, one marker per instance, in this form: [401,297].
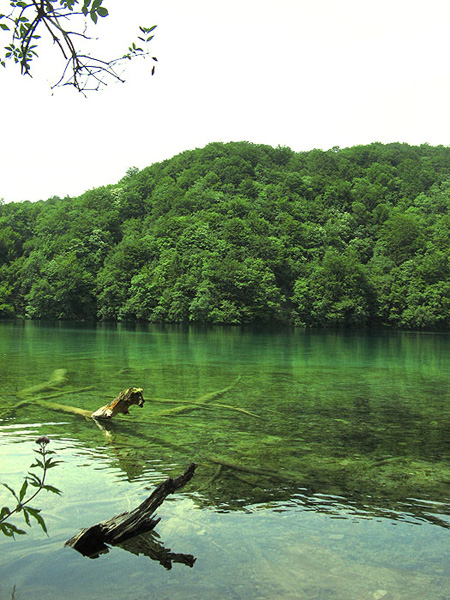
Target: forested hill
[242,233]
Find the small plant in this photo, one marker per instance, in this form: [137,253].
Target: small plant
[44,462]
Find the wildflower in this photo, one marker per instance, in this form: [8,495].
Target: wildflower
[43,440]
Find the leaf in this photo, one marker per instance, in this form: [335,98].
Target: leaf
[27,517]
[52,489]
[50,463]
[103,12]
[23,490]
[9,530]
[4,528]
[34,512]
[94,16]
[4,512]
[34,480]
[4,27]
[11,490]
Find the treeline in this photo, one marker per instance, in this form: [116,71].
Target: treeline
[242,233]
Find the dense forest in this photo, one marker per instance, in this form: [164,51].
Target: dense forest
[242,233]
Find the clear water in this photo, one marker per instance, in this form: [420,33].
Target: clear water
[323,468]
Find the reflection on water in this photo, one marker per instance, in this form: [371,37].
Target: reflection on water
[323,459]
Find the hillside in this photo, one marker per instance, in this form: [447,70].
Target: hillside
[242,233]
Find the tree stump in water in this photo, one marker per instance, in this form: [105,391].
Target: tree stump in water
[93,541]
[121,404]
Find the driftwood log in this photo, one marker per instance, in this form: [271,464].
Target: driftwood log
[92,541]
[121,404]
[43,394]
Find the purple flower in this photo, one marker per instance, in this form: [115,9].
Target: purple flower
[43,440]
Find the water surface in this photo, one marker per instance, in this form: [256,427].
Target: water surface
[322,457]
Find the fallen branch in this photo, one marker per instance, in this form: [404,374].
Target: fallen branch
[41,400]
[67,392]
[93,541]
[212,479]
[57,379]
[202,400]
[255,471]
[74,410]
[196,403]
[121,404]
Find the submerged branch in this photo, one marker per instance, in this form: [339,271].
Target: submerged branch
[202,400]
[196,404]
[255,471]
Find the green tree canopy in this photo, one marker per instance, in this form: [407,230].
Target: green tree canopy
[242,233]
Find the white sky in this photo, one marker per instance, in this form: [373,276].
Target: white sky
[300,73]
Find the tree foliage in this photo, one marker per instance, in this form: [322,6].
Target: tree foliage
[65,24]
[243,233]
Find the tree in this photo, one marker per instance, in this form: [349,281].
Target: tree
[65,23]
[335,292]
[401,236]
[232,234]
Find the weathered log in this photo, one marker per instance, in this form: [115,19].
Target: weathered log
[121,404]
[93,541]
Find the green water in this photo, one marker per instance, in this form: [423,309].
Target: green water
[323,468]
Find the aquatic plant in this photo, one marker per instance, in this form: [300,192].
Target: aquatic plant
[43,461]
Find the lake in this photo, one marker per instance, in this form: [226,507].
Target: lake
[323,461]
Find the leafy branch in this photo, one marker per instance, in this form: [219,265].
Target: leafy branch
[85,72]
[44,462]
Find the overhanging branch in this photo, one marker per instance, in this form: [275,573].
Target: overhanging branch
[81,70]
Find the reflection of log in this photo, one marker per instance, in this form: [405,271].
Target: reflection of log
[92,541]
[150,546]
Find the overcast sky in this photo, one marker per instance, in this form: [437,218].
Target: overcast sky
[299,73]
